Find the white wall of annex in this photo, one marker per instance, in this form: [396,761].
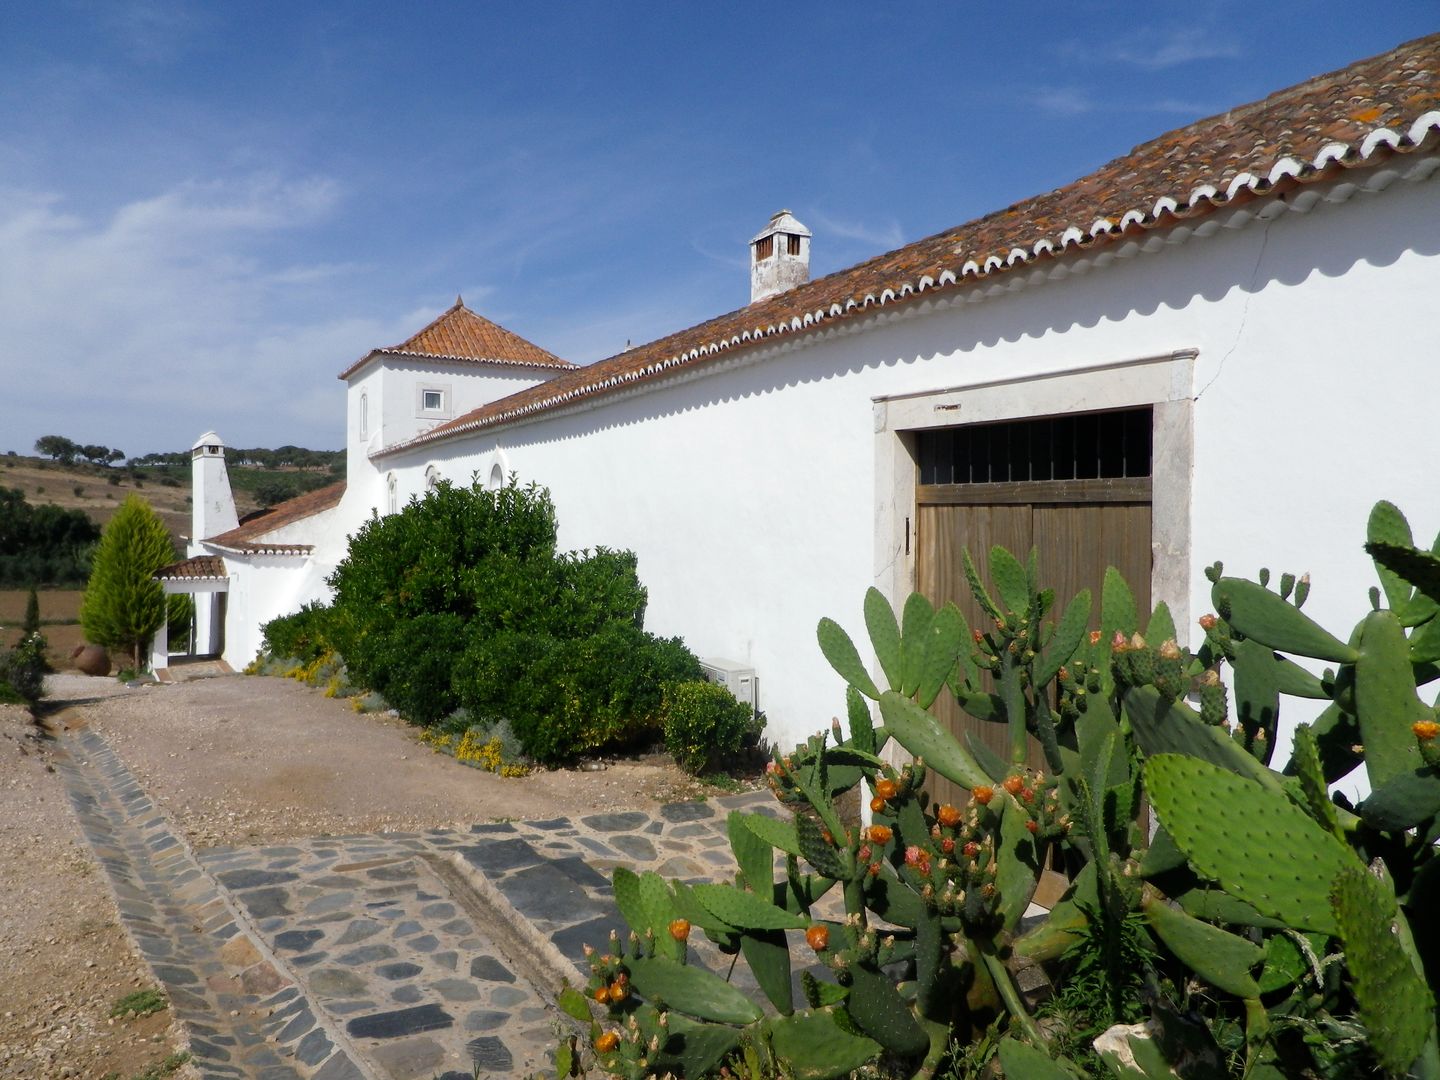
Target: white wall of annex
[749,494]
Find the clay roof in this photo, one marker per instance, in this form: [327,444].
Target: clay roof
[200,567]
[1348,119]
[458,334]
[246,537]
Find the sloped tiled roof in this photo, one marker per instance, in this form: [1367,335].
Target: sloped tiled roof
[246,537]
[200,568]
[460,334]
[1349,119]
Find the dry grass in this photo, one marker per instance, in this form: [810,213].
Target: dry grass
[62,634]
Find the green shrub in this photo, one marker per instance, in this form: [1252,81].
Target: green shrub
[303,635]
[705,725]
[22,671]
[412,664]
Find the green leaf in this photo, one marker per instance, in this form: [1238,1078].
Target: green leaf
[1385,701]
[574,1004]
[1117,607]
[880,1012]
[1387,526]
[815,1047]
[691,990]
[768,954]
[1218,957]
[753,854]
[1256,843]
[948,636]
[1406,800]
[778,834]
[884,637]
[815,849]
[1010,580]
[1066,639]
[1394,1002]
[840,651]
[1258,613]
[1162,626]
[921,734]
[862,727]
[1024,1062]
[918,620]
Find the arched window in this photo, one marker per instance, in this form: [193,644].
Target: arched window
[392,493]
[364,415]
[432,478]
[497,477]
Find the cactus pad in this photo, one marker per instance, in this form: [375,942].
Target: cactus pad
[1385,700]
[1259,846]
[691,990]
[815,1047]
[1395,1005]
[884,635]
[1258,613]
[922,735]
[840,651]
[1220,958]
[1405,801]
[1167,727]
[746,910]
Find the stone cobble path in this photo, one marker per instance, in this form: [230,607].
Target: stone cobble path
[395,956]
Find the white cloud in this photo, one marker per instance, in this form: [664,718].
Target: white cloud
[169,316]
[882,235]
[1061,100]
[1153,49]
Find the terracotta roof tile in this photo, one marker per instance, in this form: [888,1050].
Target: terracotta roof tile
[263,522]
[199,567]
[1350,118]
[460,334]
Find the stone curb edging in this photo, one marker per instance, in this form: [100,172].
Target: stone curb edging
[250,1024]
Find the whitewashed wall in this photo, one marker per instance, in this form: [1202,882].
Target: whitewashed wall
[749,494]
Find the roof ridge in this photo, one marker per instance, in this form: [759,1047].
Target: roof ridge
[1353,117]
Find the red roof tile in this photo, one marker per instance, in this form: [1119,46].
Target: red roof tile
[460,334]
[1347,119]
[200,567]
[247,536]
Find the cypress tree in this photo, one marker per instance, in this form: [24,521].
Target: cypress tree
[124,605]
[31,625]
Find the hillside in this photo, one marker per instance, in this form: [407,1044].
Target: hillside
[98,490]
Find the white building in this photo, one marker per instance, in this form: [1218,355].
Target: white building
[1212,347]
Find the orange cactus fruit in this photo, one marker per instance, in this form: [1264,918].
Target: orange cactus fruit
[886,788]
[680,929]
[1013,784]
[1094,637]
[879,834]
[602,995]
[877,805]
[1207,622]
[1425,730]
[982,794]
[1032,825]
[818,937]
[619,992]
[948,816]
[607,1043]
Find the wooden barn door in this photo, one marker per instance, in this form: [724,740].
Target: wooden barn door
[1076,488]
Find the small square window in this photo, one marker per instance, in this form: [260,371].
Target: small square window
[432,400]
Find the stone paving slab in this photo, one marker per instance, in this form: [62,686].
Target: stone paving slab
[395,955]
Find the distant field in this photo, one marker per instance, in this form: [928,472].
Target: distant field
[61,637]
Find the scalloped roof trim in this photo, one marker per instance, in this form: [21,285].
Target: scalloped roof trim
[1203,199]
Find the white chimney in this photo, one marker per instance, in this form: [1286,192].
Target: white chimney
[779,257]
[212,506]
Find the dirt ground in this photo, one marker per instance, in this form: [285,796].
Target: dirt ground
[235,760]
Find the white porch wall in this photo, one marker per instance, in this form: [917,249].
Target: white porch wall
[263,587]
[749,495]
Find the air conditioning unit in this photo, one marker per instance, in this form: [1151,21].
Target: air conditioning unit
[737,678]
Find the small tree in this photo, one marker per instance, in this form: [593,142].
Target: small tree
[57,447]
[31,625]
[124,605]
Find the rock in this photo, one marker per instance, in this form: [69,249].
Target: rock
[91,659]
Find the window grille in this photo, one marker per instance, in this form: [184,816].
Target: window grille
[1085,446]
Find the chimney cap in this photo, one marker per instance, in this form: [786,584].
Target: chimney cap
[782,221]
[208,439]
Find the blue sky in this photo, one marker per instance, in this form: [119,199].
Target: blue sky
[208,210]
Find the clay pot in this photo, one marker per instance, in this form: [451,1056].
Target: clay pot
[91,659]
